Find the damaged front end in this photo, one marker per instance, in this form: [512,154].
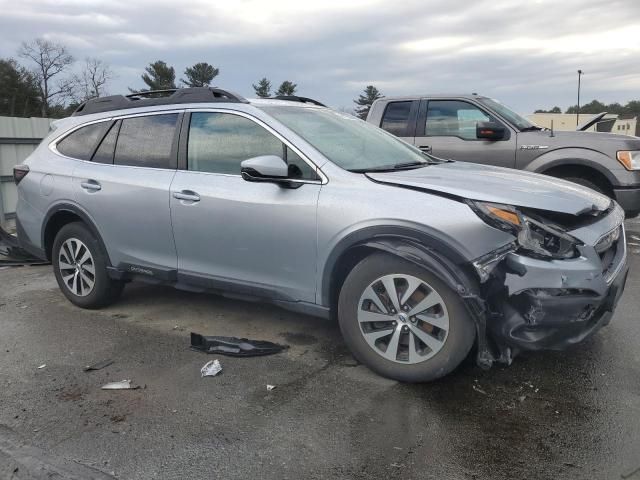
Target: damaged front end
[557,283]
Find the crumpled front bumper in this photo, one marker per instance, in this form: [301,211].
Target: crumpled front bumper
[536,304]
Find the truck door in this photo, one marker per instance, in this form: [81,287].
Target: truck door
[447,129]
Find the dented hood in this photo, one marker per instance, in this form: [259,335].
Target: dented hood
[499,185]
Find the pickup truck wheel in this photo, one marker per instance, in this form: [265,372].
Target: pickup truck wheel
[402,321]
[80,267]
[586,183]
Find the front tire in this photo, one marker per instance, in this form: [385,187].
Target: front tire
[402,321]
[80,266]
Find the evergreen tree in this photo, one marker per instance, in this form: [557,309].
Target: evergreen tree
[263,88]
[19,96]
[287,88]
[200,75]
[365,100]
[159,76]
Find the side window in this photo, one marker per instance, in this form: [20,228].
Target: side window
[81,143]
[395,119]
[146,141]
[219,142]
[452,118]
[104,153]
[298,168]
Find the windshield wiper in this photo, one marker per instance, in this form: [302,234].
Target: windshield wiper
[391,168]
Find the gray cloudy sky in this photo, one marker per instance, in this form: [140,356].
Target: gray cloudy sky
[525,53]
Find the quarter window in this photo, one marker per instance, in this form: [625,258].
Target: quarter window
[81,143]
[452,118]
[146,141]
[220,142]
[396,118]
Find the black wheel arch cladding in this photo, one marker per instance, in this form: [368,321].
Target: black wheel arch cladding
[437,258]
[70,210]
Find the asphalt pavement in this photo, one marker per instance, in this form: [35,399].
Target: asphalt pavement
[572,414]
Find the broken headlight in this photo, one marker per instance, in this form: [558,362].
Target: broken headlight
[535,237]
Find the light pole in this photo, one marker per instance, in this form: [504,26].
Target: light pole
[578,111]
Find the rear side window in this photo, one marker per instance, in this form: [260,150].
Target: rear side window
[81,143]
[146,141]
[396,118]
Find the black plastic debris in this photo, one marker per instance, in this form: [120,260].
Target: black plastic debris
[234,347]
[98,365]
[12,255]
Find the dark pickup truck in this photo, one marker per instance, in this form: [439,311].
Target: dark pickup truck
[478,129]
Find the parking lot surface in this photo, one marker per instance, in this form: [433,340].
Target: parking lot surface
[572,414]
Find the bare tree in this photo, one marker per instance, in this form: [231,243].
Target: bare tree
[51,59]
[92,79]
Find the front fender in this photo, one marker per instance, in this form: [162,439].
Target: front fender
[575,156]
[438,258]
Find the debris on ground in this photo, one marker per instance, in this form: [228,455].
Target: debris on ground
[234,347]
[98,365]
[211,368]
[270,387]
[121,385]
[11,255]
[479,390]
[42,366]
[630,474]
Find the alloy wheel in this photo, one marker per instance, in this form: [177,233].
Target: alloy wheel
[77,267]
[403,318]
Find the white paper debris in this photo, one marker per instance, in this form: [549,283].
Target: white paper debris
[270,387]
[211,368]
[42,366]
[122,385]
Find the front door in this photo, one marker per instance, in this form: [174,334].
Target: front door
[255,238]
[447,129]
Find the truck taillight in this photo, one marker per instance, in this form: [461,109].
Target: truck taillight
[19,172]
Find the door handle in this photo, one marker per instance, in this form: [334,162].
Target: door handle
[91,185]
[187,195]
[425,148]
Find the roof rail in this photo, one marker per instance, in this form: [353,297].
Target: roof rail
[158,97]
[295,98]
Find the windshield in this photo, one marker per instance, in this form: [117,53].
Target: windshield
[347,141]
[505,112]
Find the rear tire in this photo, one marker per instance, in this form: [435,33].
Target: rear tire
[400,339]
[80,266]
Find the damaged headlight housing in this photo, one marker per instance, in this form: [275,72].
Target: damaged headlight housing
[535,237]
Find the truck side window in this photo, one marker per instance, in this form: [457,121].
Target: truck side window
[453,118]
[395,119]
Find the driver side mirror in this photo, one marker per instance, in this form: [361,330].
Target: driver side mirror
[267,168]
[490,131]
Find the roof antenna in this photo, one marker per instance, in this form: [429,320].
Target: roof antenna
[551,134]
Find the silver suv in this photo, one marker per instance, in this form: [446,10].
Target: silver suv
[319,212]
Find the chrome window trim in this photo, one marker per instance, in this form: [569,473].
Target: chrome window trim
[323,178]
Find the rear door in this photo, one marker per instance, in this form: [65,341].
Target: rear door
[253,238]
[447,129]
[125,190]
